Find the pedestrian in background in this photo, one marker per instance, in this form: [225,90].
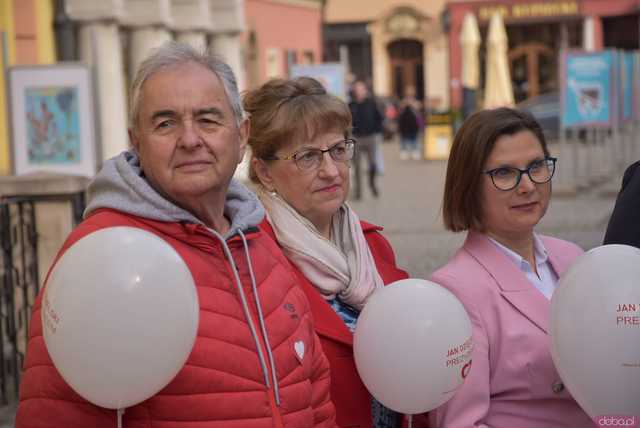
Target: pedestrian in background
[188,134]
[367,129]
[301,157]
[497,188]
[409,124]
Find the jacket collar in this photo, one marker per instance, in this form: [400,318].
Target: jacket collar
[368,227]
[327,322]
[512,283]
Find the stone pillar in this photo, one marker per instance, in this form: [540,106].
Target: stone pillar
[228,22]
[143,41]
[229,47]
[436,69]
[100,46]
[197,39]
[380,59]
[191,21]
[149,22]
[587,34]
[592,33]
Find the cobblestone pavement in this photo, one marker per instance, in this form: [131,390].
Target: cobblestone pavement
[409,208]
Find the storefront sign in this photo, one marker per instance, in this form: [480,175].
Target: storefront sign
[588,82]
[522,11]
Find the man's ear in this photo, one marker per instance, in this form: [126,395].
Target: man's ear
[133,139]
[262,171]
[243,131]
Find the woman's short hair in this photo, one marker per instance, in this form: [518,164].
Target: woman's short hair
[471,147]
[283,111]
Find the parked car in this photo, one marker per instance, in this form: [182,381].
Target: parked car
[546,110]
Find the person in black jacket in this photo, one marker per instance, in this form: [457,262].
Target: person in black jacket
[624,224]
[367,129]
[409,125]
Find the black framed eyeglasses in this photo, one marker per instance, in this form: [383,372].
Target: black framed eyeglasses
[508,177]
[310,159]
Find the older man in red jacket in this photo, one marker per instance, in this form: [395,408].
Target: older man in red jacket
[245,370]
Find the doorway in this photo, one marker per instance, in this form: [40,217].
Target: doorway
[407,67]
[533,67]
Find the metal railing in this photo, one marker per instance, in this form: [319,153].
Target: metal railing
[19,263]
[19,282]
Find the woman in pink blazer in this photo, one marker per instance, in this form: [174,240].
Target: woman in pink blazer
[497,188]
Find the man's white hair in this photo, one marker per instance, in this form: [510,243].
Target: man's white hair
[172,54]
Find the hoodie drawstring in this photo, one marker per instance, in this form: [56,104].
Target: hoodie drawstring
[247,313]
[261,317]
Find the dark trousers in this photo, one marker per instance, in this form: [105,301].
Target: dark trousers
[366,147]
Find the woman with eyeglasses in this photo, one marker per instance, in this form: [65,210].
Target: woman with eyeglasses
[497,188]
[301,153]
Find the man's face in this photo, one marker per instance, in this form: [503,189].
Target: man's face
[360,91]
[186,134]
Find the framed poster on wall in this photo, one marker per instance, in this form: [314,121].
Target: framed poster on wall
[332,76]
[52,119]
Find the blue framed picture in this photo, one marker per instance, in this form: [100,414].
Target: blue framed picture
[52,117]
[331,75]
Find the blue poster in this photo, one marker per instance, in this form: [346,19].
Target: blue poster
[636,84]
[627,88]
[331,75]
[587,96]
[52,125]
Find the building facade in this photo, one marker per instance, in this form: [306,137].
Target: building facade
[280,33]
[392,45]
[260,39]
[537,30]
[28,35]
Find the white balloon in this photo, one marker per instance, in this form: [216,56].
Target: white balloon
[120,316]
[412,345]
[595,330]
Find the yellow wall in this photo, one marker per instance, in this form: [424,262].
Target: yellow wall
[341,11]
[45,37]
[6,25]
[45,47]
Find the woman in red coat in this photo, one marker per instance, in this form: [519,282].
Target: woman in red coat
[301,153]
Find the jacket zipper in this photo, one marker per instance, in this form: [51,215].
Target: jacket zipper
[270,392]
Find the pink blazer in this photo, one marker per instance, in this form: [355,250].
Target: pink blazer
[513,382]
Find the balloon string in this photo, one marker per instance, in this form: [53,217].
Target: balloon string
[409,421]
[120,413]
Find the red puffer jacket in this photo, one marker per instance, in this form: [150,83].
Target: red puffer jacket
[350,396]
[222,383]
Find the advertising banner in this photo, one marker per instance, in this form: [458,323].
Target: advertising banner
[636,84]
[331,75]
[626,86]
[588,89]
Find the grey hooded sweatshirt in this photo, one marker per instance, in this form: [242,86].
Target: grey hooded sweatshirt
[120,185]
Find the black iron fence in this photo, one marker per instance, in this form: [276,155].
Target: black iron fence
[19,269]
[19,282]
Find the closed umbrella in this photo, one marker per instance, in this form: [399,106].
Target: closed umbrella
[470,43]
[498,91]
